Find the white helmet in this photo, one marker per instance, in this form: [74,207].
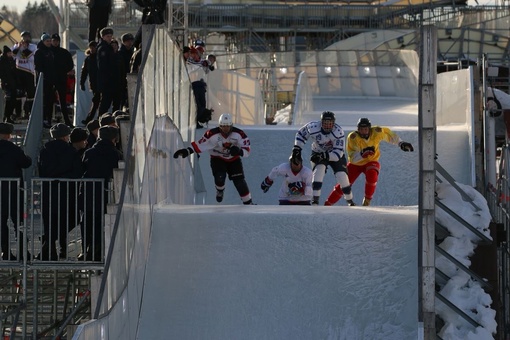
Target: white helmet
[225,120]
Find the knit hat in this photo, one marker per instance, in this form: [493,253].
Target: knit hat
[106,30]
[6,128]
[45,36]
[55,36]
[92,44]
[6,49]
[60,130]
[106,119]
[126,37]
[93,125]
[108,132]
[25,33]
[78,135]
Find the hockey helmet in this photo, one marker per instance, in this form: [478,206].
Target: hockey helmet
[225,120]
[295,159]
[364,123]
[199,42]
[327,121]
[327,115]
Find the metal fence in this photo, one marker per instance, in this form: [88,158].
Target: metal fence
[53,221]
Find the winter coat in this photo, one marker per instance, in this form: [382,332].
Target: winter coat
[106,66]
[44,60]
[58,159]
[13,160]
[100,160]
[9,80]
[89,69]
[63,63]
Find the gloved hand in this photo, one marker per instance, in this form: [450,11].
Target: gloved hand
[82,87]
[405,146]
[367,152]
[318,157]
[235,150]
[183,152]
[296,188]
[266,184]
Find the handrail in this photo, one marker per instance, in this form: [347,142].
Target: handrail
[459,219]
[457,310]
[465,269]
[454,184]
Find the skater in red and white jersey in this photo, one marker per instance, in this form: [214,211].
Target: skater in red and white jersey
[227,145]
[296,188]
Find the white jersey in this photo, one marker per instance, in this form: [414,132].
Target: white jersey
[288,190]
[219,145]
[25,57]
[333,143]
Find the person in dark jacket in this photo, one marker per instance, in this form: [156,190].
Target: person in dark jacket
[98,162]
[44,60]
[9,83]
[13,160]
[99,11]
[89,70]
[126,52]
[93,129]
[63,65]
[59,161]
[106,70]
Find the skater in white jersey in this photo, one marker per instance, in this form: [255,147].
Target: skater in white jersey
[328,149]
[227,145]
[296,188]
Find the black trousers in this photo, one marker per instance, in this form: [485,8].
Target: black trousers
[98,19]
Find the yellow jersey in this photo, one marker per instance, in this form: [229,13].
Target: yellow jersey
[356,144]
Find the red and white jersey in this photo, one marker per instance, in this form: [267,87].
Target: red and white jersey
[219,145]
[332,142]
[288,190]
[25,57]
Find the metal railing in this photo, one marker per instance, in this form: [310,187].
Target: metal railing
[57,220]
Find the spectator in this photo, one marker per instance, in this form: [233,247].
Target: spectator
[78,138]
[99,162]
[107,119]
[106,73]
[9,82]
[119,81]
[59,161]
[89,70]
[24,54]
[126,53]
[99,12]
[13,160]
[45,64]
[63,65]
[93,129]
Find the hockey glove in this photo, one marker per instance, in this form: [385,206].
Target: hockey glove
[296,188]
[367,152]
[318,157]
[235,150]
[406,146]
[266,184]
[183,152]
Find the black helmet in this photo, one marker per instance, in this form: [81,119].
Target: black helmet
[328,115]
[364,122]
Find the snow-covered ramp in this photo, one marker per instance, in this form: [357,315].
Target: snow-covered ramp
[277,272]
